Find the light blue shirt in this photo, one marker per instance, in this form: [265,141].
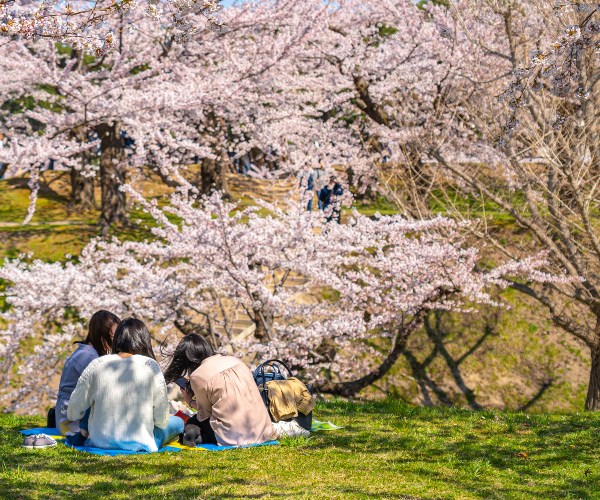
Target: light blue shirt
[74,366]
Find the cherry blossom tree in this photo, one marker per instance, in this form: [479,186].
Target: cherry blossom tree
[338,301]
[248,106]
[421,88]
[202,101]
[388,82]
[88,110]
[544,130]
[87,24]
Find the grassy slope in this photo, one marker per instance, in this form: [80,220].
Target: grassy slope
[522,354]
[68,233]
[387,449]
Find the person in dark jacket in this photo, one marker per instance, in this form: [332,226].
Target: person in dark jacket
[330,198]
[310,187]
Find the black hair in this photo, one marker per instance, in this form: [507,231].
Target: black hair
[188,356]
[99,334]
[133,337]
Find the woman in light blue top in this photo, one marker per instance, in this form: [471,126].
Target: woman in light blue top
[97,343]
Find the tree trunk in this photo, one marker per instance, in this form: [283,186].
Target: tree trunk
[351,388]
[112,177]
[263,319]
[213,176]
[592,401]
[82,188]
[82,192]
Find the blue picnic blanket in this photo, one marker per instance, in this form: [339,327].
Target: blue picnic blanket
[55,434]
[173,447]
[215,447]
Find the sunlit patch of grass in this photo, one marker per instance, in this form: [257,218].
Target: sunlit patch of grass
[52,205]
[387,449]
[49,243]
[379,205]
[449,201]
[295,442]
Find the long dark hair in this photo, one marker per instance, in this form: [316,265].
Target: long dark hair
[188,356]
[133,337]
[100,331]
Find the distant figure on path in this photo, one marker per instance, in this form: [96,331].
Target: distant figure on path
[330,198]
[310,183]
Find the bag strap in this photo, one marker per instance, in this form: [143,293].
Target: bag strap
[271,362]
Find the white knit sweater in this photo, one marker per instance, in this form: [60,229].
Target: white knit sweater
[128,397]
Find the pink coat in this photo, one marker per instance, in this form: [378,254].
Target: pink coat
[226,393]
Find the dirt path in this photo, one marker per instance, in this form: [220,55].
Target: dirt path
[49,223]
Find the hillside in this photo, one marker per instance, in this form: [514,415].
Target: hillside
[499,358]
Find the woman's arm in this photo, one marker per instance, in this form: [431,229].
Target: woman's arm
[202,403]
[160,400]
[83,395]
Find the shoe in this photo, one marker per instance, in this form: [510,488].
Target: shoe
[289,428]
[43,441]
[76,439]
[29,440]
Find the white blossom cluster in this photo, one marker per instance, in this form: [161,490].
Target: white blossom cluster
[86,24]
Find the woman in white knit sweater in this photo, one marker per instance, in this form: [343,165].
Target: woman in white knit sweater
[127,394]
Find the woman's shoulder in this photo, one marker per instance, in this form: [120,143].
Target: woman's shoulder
[98,361]
[85,351]
[233,360]
[147,362]
[214,365]
[94,366]
[82,350]
[221,360]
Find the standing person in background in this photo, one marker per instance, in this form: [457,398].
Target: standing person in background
[310,188]
[127,394]
[97,343]
[336,201]
[319,176]
[325,197]
[330,199]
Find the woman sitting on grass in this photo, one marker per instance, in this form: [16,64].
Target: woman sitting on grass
[127,394]
[222,389]
[97,343]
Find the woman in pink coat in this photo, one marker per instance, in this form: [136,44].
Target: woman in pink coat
[230,409]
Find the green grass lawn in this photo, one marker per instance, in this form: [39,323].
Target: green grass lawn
[387,449]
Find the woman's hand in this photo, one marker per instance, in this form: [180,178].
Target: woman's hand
[188,397]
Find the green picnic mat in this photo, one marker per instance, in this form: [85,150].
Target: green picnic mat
[323,426]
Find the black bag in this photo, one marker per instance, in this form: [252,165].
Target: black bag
[51,419]
[275,369]
[271,370]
